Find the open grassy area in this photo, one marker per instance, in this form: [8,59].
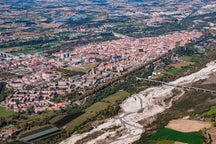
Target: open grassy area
[159,142]
[33,48]
[175,70]
[85,68]
[164,142]
[69,73]
[90,113]
[67,118]
[56,118]
[97,107]
[192,102]
[24,51]
[181,64]
[4,112]
[187,58]
[53,44]
[185,125]
[119,96]
[193,58]
[169,134]
[211,112]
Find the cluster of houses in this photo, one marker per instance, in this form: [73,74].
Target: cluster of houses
[40,81]
[7,132]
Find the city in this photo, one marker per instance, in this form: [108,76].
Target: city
[105,71]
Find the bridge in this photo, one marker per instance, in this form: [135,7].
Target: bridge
[178,86]
[6,55]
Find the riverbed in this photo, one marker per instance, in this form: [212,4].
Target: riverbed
[138,107]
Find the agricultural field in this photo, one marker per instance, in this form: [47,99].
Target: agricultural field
[175,70]
[33,48]
[187,61]
[181,130]
[184,125]
[196,58]
[90,113]
[96,108]
[57,118]
[192,102]
[119,96]
[187,58]
[85,68]
[181,64]
[169,134]
[69,73]
[60,121]
[4,112]
[165,142]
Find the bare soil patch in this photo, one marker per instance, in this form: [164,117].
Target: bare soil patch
[179,143]
[184,125]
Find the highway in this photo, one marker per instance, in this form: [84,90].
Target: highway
[177,86]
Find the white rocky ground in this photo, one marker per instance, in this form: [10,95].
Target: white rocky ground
[138,107]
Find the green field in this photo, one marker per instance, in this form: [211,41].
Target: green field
[29,49]
[69,73]
[56,118]
[119,96]
[194,58]
[211,112]
[164,142]
[169,134]
[90,113]
[4,112]
[181,64]
[159,142]
[85,68]
[187,58]
[175,70]
[96,108]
